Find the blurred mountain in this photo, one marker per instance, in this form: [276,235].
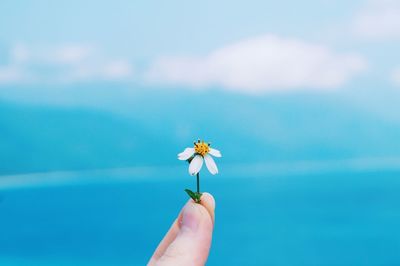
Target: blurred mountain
[41,139]
[92,129]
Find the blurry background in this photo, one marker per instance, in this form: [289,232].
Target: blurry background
[301,97]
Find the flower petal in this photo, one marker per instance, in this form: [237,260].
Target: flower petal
[211,166]
[214,152]
[186,154]
[195,165]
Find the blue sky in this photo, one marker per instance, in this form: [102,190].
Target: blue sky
[148,60]
[154,27]
[242,46]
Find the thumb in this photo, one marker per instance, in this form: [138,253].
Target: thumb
[192,243]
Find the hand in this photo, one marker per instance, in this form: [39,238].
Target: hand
[188,240]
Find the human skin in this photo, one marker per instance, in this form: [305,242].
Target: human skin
[188,240]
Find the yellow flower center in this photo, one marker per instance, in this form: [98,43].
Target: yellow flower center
[201,147]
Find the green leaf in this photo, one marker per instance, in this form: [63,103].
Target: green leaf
[196,196]
[190,193]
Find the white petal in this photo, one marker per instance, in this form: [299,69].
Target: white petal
[214,152]
[186,154]
[195,165]
[211,166]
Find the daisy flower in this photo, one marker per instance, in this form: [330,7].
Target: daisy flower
[199,153]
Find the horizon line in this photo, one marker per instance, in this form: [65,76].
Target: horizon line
[145,173]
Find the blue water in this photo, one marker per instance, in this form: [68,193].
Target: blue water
[337,218]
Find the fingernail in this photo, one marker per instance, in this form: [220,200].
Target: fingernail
[190,219]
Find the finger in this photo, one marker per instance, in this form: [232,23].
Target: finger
[167,240]
[207,200]
[192,243]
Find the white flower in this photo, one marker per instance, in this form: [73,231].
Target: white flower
[201,151]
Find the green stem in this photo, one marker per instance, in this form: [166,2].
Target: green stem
[198,183]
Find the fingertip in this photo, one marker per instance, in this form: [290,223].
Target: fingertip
[192,240]
[208,201]
[207,197]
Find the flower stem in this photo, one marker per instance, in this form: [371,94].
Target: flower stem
[198,182]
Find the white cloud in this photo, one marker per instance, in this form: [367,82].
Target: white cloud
[113,70]
[70,54]
[396,76]
[378,20]
[63,63]
[19,54]
[117,69]
[65,54]
[261,64]
[9,74]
